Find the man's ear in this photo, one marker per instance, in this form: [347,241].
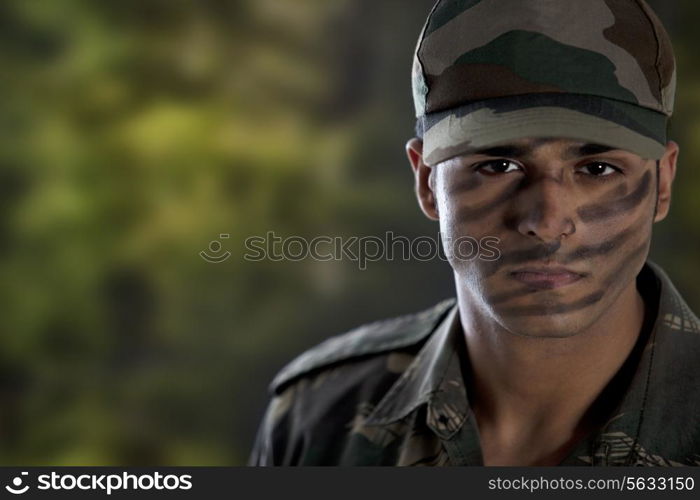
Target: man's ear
[667,172]
[424,175]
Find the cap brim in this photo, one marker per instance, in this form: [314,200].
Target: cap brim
[470,128]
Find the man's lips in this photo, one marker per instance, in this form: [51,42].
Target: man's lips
[546,277]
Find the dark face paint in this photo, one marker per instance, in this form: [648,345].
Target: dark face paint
[465,186]
[543,252]
[584,252]
[600,212]
[627,262]
[468,214]
[612,229]
[546,309]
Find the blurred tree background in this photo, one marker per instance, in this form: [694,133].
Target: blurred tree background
[134,133]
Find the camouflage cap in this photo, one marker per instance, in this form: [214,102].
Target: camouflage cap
[491,71]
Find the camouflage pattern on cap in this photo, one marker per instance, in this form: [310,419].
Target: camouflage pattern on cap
[616,51]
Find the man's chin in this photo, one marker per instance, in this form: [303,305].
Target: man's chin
[556,326]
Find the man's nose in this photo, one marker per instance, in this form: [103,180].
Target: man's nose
[545,211]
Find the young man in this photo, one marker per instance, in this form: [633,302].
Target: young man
[541,123]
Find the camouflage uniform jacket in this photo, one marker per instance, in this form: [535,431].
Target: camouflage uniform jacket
[393,393]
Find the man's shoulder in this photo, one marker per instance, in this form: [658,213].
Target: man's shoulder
[364,341]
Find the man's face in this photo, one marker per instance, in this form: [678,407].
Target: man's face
[574,222]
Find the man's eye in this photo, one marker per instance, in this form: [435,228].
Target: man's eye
[493,167]
[598,169]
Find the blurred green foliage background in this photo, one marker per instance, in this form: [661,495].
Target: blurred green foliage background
[134,133]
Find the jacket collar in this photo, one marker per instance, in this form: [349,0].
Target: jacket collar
[434,377]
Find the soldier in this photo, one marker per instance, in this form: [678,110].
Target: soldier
[542,123]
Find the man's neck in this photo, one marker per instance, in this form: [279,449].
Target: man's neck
[526,391]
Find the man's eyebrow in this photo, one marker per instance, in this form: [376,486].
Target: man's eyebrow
[508,150]
[575,151]
[588,150]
